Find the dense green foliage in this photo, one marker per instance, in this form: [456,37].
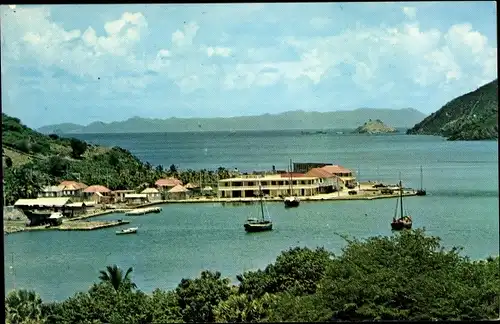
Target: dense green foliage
[20,137]
[53,159]
[473,116]
[408,276]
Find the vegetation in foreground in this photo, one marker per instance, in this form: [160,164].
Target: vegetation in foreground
[32,160]
[472,116]
[408,276]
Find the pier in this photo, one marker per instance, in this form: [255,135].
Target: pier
[69,226]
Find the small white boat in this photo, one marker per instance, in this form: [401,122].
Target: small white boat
[130,230]
[143,211]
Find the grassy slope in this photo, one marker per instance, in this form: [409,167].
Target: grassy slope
[472,116]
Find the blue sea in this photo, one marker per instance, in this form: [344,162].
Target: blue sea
[461,207]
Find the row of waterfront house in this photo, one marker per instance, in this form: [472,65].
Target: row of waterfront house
[72,198]
[307,179]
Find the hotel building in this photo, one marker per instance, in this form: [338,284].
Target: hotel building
[326,179]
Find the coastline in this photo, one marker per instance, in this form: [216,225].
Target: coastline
[325,197]
[78,223]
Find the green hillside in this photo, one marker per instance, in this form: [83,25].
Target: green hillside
[473,116]
[32,160]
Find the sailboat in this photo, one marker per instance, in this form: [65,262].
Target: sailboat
[421,191]
[403,222]
[291,201]
[255,225]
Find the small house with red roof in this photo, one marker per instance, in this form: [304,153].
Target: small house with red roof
[71,188]
[345,175]
[98,193]
[167,183]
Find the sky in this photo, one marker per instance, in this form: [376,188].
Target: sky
[85,63]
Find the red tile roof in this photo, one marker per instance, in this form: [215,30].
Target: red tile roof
[168,182]
[96,188]
[74,184]
[320,173]
[333,169]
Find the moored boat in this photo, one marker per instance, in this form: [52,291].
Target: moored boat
[421,191]
[259,225]
[404,221]
[143,211]
[130,230]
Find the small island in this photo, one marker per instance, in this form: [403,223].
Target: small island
[374,127]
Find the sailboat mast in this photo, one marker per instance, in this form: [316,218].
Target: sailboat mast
[401,196]
[291,188]
[421,179]
[261,203]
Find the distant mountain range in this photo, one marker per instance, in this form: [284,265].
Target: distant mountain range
[399,118]
[472,116]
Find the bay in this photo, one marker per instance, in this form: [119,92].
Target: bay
[461,207]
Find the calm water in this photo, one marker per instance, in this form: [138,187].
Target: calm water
[461,207]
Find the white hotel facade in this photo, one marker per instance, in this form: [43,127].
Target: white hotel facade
[274,186]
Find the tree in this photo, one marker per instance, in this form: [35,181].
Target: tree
[78,148]
[8,161]
[198,298]
[165,307]
[290,308]
[173,169]
[101,304]
[297,271]
[23,306]
[114,276]
[408,276]
[241,308]
[57,166]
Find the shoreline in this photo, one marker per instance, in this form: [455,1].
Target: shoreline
[330,197]
[69,226]
[16,228]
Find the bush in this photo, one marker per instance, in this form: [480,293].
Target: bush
[22,145]
[78,148]
[8,161]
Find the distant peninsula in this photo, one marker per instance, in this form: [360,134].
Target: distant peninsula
[290,120]
[472,116]
[374,127]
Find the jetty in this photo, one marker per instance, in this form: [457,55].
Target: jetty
[69,226]
[143,211]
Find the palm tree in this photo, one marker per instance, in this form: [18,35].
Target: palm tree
[22,306]
[114,276]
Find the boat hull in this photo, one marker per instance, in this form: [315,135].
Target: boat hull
[421,193]
[127,231]
[258,227]
[398,226]
[292,203]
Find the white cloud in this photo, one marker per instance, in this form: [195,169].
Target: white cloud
[426,57]
[80,54]
[410,12]
[185,38]
[320,22]
[218,51]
